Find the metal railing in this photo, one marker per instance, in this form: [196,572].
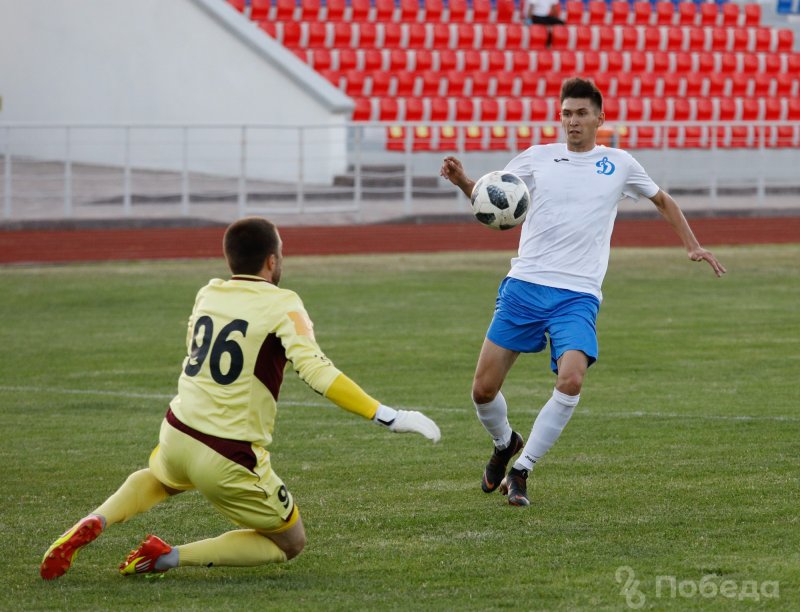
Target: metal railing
[225,171]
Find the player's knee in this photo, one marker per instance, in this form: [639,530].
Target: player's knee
[483,392]
[570,383]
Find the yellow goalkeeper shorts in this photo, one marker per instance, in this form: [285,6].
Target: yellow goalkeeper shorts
[236,477]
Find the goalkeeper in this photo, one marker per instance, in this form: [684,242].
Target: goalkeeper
[241,333]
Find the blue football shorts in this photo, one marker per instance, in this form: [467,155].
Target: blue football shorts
[526,314]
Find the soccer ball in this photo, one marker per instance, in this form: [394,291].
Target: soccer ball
[500,200]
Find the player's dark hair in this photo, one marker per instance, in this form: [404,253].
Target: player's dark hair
[582,88]
[248,243]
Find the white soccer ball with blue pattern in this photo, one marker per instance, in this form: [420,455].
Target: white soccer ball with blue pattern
[500,200]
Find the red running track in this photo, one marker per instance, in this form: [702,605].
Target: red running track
[55,246]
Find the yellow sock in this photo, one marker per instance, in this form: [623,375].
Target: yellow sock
[140,492]
[242,548]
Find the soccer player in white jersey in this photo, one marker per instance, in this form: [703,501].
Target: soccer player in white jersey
[241,333]
[554,283]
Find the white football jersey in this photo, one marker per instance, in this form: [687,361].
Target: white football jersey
[566,236]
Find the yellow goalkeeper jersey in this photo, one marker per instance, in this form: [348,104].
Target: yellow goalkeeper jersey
[241,334]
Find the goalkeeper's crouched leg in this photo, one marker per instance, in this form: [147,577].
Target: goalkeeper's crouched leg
[242,548]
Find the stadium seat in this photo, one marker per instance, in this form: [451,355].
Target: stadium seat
[623,84]
[620,12]
[259,10]
[657,109]
[372,59]
[693,84]
[523,137]
[548,134]
[479,84]
[740,39]
[651,38]
[489,36]
[447,139]
[728,63]
[513,109]
[752,14]
[552,83]
[392,35]
[317,34]
[719,38]
[439,109]
[334,10]
[559,37]
[433,11]
[634,109]
[536,36]
[770,63]
[481,11]
[659,62]
[703,110]
[342,34]
[708,13]
[359,12]
[465,36]
[705,62]
[675,38]
[448,60]
[647,84]
[455,83]
[544,61]
[504,84]
[366,34]
[471,60]
[628,39]
[456,10]
[414,109]
[384,11]
[687,13]
[749,63]
[610,61]
[785,84]
[362,110]
[602,81]
[763,39]
[567,62]
[582,38]
[574,11]
[785,40]
[642,13]
[611,109]
[739,85]
[697,39]
[380,82]
[405,83]
[422,138]
[498,138]
[430,84]
[488,109]
[605,38]
[504,11]
[730,14]
[321,59]
[529,84]
[239,5]
[589,61]
[354,83]
[596,11]
[665,12]
[762,85]
[409,10]
[473,138]
[717,85]
[396,138]
[465,107]
[284,10]
[726,109]
[520,61]
[773,109]
[539,110]
[635,62]
[290,34]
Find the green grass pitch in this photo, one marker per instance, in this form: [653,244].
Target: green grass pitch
[680,463]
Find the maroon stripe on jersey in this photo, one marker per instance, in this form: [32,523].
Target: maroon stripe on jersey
[270,363]
[234,450]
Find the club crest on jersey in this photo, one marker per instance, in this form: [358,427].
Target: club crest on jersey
[606,167]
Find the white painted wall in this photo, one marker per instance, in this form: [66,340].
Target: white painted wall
[164,62]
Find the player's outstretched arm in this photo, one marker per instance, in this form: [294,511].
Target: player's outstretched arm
[670,210]
[453,171]
[349,396]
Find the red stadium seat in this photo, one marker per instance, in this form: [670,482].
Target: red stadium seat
[717,85]
[505,84]
[366,34]
[651,38]
[321,59]
[785,84]
[728,63]
[422,59]
[392,35]
[259,10]
[773,109]
[342,35]
[404,83]
[479,83]
[504,11]
[513,109]
[489,36]
[574,11]
[363,109]
[552,83]
[473,138]
[317,34]
[447,139]
[422,138]
[481,11]
[613,61]
[611,109]
[647,84]
[705,62]
[464,109]
[523,137]
[495,61]
[388,109]
[384,10]
[471,60]
[373,60]
[719,39]
[682,62]
[704,110]
[785,40]
[693,84]
[749,63]
[398,59]
[658,109]
[628,39]
[354,83]
[498,138]
[544,61]
[432,84]
[466,36]
[433,10]
[697,39]
[620,12]
[636,62]
[642,13]
[548,134]
[457,10]
[441,36]
[740,39]
[417,36]
[448,60]
[567,62]
[359,10]
[310,9]
[665,13]
[730,14]
[660,62]
[537,37]
[687,13]
[409,10]
[675,37]
[583,37]
[740,84]
[763,40]
[589,61]
[597,11]
[520,61]
[623,84]
[440,109]
[455,83]
[762,85]
[752,14]
[708,13]
[529,84]
[284,10]
[334,10]
[380,83]
[771,63]
[415,109]
[559,37]
[634,109]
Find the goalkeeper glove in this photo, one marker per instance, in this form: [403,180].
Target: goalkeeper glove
[404,421]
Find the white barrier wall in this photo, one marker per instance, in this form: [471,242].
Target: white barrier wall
[165,62]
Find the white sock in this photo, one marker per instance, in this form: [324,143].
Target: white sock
[494,418]
[549,424]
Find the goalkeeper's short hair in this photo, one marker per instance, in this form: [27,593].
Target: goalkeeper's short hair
[248,243]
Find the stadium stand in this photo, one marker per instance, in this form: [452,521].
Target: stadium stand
[459,61]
